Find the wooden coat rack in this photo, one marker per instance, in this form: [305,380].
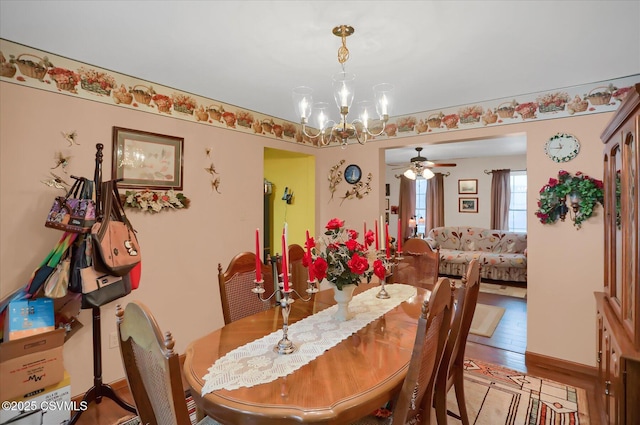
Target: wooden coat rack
[99,389]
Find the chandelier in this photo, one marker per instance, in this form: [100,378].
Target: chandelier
[343,93]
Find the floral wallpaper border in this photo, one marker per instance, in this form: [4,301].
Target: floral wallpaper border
[27,66]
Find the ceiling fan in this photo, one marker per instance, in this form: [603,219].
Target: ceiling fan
[420,166]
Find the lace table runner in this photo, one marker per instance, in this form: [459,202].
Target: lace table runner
[256,363]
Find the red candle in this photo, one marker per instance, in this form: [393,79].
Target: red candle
[386,238]
[399,235]
[364,235]
[377,246]
[258,262]
[285,265]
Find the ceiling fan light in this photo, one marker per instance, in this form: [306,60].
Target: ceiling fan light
[410,174]
[427,173]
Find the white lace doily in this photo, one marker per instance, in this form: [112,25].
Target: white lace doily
[256,363]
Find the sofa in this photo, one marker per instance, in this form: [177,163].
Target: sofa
[502,255]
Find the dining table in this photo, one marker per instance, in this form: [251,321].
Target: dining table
[342,384]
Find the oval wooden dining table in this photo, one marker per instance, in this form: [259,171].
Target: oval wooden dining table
[346,382]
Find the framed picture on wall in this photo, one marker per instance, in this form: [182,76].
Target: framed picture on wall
[467,186]
[468,205]
[387,189]
[147,160]
[386,217]
[387,204]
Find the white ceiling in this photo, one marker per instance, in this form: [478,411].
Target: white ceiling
[252,53]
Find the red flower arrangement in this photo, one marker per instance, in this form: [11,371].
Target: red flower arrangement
[342,260]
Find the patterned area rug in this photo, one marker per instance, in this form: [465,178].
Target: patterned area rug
[496,395]
[191,407]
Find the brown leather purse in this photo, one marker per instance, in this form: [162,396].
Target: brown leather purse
[115,246]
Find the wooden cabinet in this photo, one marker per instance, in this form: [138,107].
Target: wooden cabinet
[618,306]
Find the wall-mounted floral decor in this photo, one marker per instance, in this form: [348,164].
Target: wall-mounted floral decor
[154,201]
[584,194]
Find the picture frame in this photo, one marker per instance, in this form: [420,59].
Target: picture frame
[467,186]
[386,217]
[468,205]
[145,160]
[387,189]
[387,204]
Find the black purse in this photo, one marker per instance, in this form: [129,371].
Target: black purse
[99,289]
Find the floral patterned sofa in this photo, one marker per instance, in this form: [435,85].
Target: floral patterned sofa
[502,255]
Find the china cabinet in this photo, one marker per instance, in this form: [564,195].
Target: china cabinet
[618,306]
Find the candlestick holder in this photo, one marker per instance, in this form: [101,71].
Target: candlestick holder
[284,299]
[388,263]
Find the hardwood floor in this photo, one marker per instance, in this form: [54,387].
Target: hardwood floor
[506,347]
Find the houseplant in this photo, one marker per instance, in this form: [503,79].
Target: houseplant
[343,261]
[585,191]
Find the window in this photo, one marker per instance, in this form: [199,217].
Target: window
[421,204]
[518,204]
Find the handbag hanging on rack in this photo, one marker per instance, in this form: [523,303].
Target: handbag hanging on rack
[75,212]
[115,246]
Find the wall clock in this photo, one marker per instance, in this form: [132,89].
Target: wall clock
[352,174]
[562,147]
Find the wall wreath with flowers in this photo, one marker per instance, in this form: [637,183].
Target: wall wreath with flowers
[584,193]
[154,201]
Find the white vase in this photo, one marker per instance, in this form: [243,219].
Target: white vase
[343,297]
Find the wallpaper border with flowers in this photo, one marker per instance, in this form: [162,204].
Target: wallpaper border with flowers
[30,67]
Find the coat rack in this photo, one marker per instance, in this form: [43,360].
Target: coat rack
[99,389]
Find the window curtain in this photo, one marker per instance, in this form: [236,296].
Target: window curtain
[500,199]
[406,204]
[435,202]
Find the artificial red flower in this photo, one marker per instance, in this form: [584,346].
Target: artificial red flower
[352,244]
[379,269]
[320,267]
[358,264]
[352,234]
[334,224]
[310,243]
[368,238]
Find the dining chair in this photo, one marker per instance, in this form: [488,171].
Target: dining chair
[299,273]
[451,371]
[414,403]
[235,287]
[152,368]
[419,266]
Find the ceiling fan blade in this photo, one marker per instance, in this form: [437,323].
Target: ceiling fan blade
[444,165]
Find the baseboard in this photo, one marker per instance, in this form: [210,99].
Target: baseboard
[554,364]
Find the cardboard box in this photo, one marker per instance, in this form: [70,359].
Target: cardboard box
[31,363]
[48,406]
[29,317]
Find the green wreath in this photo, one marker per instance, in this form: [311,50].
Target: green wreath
[552,203]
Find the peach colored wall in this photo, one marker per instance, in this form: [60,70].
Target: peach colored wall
[181,248]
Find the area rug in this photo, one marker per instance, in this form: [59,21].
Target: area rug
[191,407]
[499,396]
[486,319]
[508,291]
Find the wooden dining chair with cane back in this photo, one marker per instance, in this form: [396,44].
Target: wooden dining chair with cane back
[236,283]
[451,372]
[414,403]
[152,368]
[299,273]
[419,265]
